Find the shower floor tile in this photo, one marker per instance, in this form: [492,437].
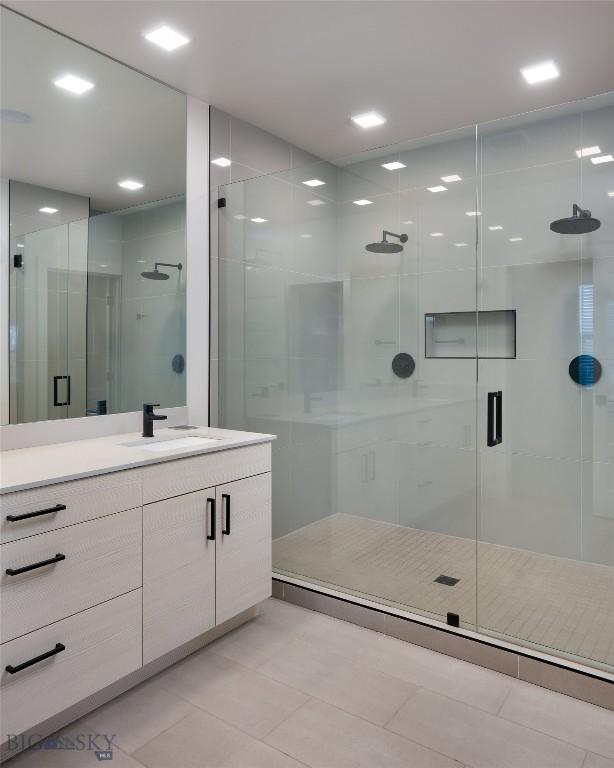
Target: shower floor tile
[561,604]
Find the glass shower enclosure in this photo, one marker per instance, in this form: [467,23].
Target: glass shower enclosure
[437,362]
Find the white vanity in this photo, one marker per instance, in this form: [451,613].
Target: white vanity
[120,555]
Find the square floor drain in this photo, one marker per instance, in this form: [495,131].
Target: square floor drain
[449,581]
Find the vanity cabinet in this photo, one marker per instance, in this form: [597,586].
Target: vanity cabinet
[101,576]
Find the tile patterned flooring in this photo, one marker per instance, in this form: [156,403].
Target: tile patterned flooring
[554,602]
[294,688]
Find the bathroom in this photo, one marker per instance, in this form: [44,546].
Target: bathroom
[307,416]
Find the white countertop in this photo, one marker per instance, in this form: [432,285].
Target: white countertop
[26,468]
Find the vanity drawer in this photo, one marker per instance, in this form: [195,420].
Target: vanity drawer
[172,478]
[96,561]
[101,645]
[72,502]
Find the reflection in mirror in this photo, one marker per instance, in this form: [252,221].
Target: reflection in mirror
[94,184]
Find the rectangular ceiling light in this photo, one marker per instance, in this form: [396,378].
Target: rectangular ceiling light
[439,188]
[587,151]
[259,220]
[602,159]
[539,73]
[436,234]
[314,183]
[451,179]
[460,245]
[363,202]
[130,184]
[611,194]
[368,119]
[495,228]
[74,84]
[473,213]
[316,202]
[394,166]
[46,209]
[515,239]
[239,217]
[166,38]
[223,162]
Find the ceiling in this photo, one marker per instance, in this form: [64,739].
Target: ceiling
[127,126]
[301,69]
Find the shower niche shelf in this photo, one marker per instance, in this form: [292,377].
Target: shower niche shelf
[455,335]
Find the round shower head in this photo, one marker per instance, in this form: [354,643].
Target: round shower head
[155,275]
[579,224]
[384,246]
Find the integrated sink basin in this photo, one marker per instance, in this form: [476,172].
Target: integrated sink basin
[172,444]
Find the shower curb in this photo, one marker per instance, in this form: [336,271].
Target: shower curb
[569,678]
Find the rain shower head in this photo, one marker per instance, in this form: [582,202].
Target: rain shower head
[157,275]
[579,223]
[384,246]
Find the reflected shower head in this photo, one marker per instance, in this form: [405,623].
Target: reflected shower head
[579,223]
[156,274]
[384,246]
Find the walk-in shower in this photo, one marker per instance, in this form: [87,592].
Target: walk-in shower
[444,413]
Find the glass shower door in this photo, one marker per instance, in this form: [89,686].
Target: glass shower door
[546,526]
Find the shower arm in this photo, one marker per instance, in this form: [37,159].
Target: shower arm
[581,212]
[165,264]
[402,238]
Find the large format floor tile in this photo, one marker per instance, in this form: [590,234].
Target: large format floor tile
[477,738]
[325,737]
[345,682]
[574,721]
[202,741]
[139,715]
[482,688]
[240,696]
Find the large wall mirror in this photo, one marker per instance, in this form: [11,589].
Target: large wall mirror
[93,187]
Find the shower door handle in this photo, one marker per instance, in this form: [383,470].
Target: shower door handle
[56,380]
[494,419]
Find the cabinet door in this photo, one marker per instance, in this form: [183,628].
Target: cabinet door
[178,572]
[243,568]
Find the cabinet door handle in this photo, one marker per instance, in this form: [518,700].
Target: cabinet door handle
[16,571]
[226,506]
[211,508]
[59,647]
[494,420]
[49,511]
[499,434]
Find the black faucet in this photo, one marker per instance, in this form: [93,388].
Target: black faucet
[149,417]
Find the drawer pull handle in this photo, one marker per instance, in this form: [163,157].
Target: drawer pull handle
[226,498]
[16,571]
[50,511]
[211,507]
[59,647]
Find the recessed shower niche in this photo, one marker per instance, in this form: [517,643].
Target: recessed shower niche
[458,334]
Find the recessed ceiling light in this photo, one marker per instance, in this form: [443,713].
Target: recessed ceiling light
[316,202]
[602,159]
[515,239]
[166,38]
[305,235]
[460,245]
[240,217]
[587,151]
[46,209]
[314,183]
[473,213]
[409,221]
[611,194]
[259,220]
[495,228]
[368,119]
[223,162]
[20,245]
[73,84]
[140,261]
[104,266]
[439,188]
[394,166]
[538,73]
[450,179]
[363,202]
[436,234]
[130,184]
